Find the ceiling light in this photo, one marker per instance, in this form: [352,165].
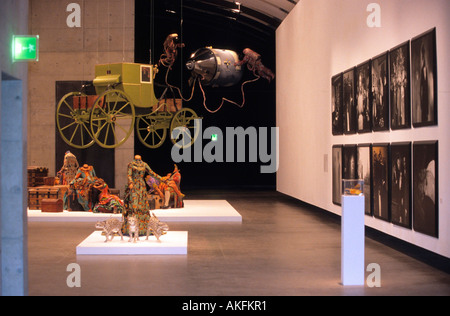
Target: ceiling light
[238,9]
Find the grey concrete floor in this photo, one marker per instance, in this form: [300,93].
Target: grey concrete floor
[282,248]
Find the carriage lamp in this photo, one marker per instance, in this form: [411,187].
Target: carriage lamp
[25,48]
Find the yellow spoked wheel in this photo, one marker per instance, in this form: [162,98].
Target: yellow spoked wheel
[112,119]
[182,128]
[152,129]
[72,120]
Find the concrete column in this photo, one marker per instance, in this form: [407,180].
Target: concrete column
[124,155]
[13,190]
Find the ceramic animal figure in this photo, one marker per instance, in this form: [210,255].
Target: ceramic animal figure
[110,227]
[158,228]
[133,228]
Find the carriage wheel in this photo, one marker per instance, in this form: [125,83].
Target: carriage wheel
[150,131]
[182,128]
[112,119]
[73,122]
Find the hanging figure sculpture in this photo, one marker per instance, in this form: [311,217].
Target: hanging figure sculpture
[167,59]
[254,64]
[171,46]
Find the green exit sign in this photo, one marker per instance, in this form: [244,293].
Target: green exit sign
[25,48]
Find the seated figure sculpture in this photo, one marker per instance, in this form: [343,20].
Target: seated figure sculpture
[81,186]
[166,187]
[106,200]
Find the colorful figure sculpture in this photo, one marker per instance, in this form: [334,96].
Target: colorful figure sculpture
[81,186]
[167,187]
[107,200]
[68,170]
[254,64]
[136,197]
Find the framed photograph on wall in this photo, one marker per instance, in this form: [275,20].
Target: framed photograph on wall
[363,105]
[425,188]
[337,174]
[399,86]
[336,105]
[400,167]
[424,79]
[380,92]
[380,181]
[349,115]
[364,172]
[349,156]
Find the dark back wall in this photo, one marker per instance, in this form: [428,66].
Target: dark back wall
[157,19]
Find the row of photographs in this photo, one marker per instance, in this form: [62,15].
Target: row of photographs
[385,91]
[400,181]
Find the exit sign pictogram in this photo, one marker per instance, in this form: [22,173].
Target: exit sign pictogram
[25,48]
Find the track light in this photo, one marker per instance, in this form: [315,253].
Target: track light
[238,9]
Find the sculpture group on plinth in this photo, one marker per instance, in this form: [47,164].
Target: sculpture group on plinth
[135,208]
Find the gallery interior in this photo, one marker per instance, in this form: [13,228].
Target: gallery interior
[233,134]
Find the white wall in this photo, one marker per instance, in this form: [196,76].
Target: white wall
[321,38]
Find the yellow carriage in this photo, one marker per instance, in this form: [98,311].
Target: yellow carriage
[124,100]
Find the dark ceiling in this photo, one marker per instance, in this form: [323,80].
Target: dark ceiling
[251,21]
[269,13]
[257,16]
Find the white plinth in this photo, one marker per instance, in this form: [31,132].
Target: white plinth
[352,240]
[172,243]
[193,211]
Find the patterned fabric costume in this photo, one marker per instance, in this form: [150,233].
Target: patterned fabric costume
[82,184]
[107,200]
[69,169]
[171,182]
[136,197]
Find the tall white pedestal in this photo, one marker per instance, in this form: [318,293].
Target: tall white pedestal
[352,240]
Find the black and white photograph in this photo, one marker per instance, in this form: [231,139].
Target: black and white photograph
[380,93]
[337,174]
[380,181]
[364,172]
[424,79]
[400,99]
[363,112]
[349,115]
[349,154]
[425,187]
[401,184]
[336,105]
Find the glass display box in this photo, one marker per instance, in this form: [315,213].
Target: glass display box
[353,187]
